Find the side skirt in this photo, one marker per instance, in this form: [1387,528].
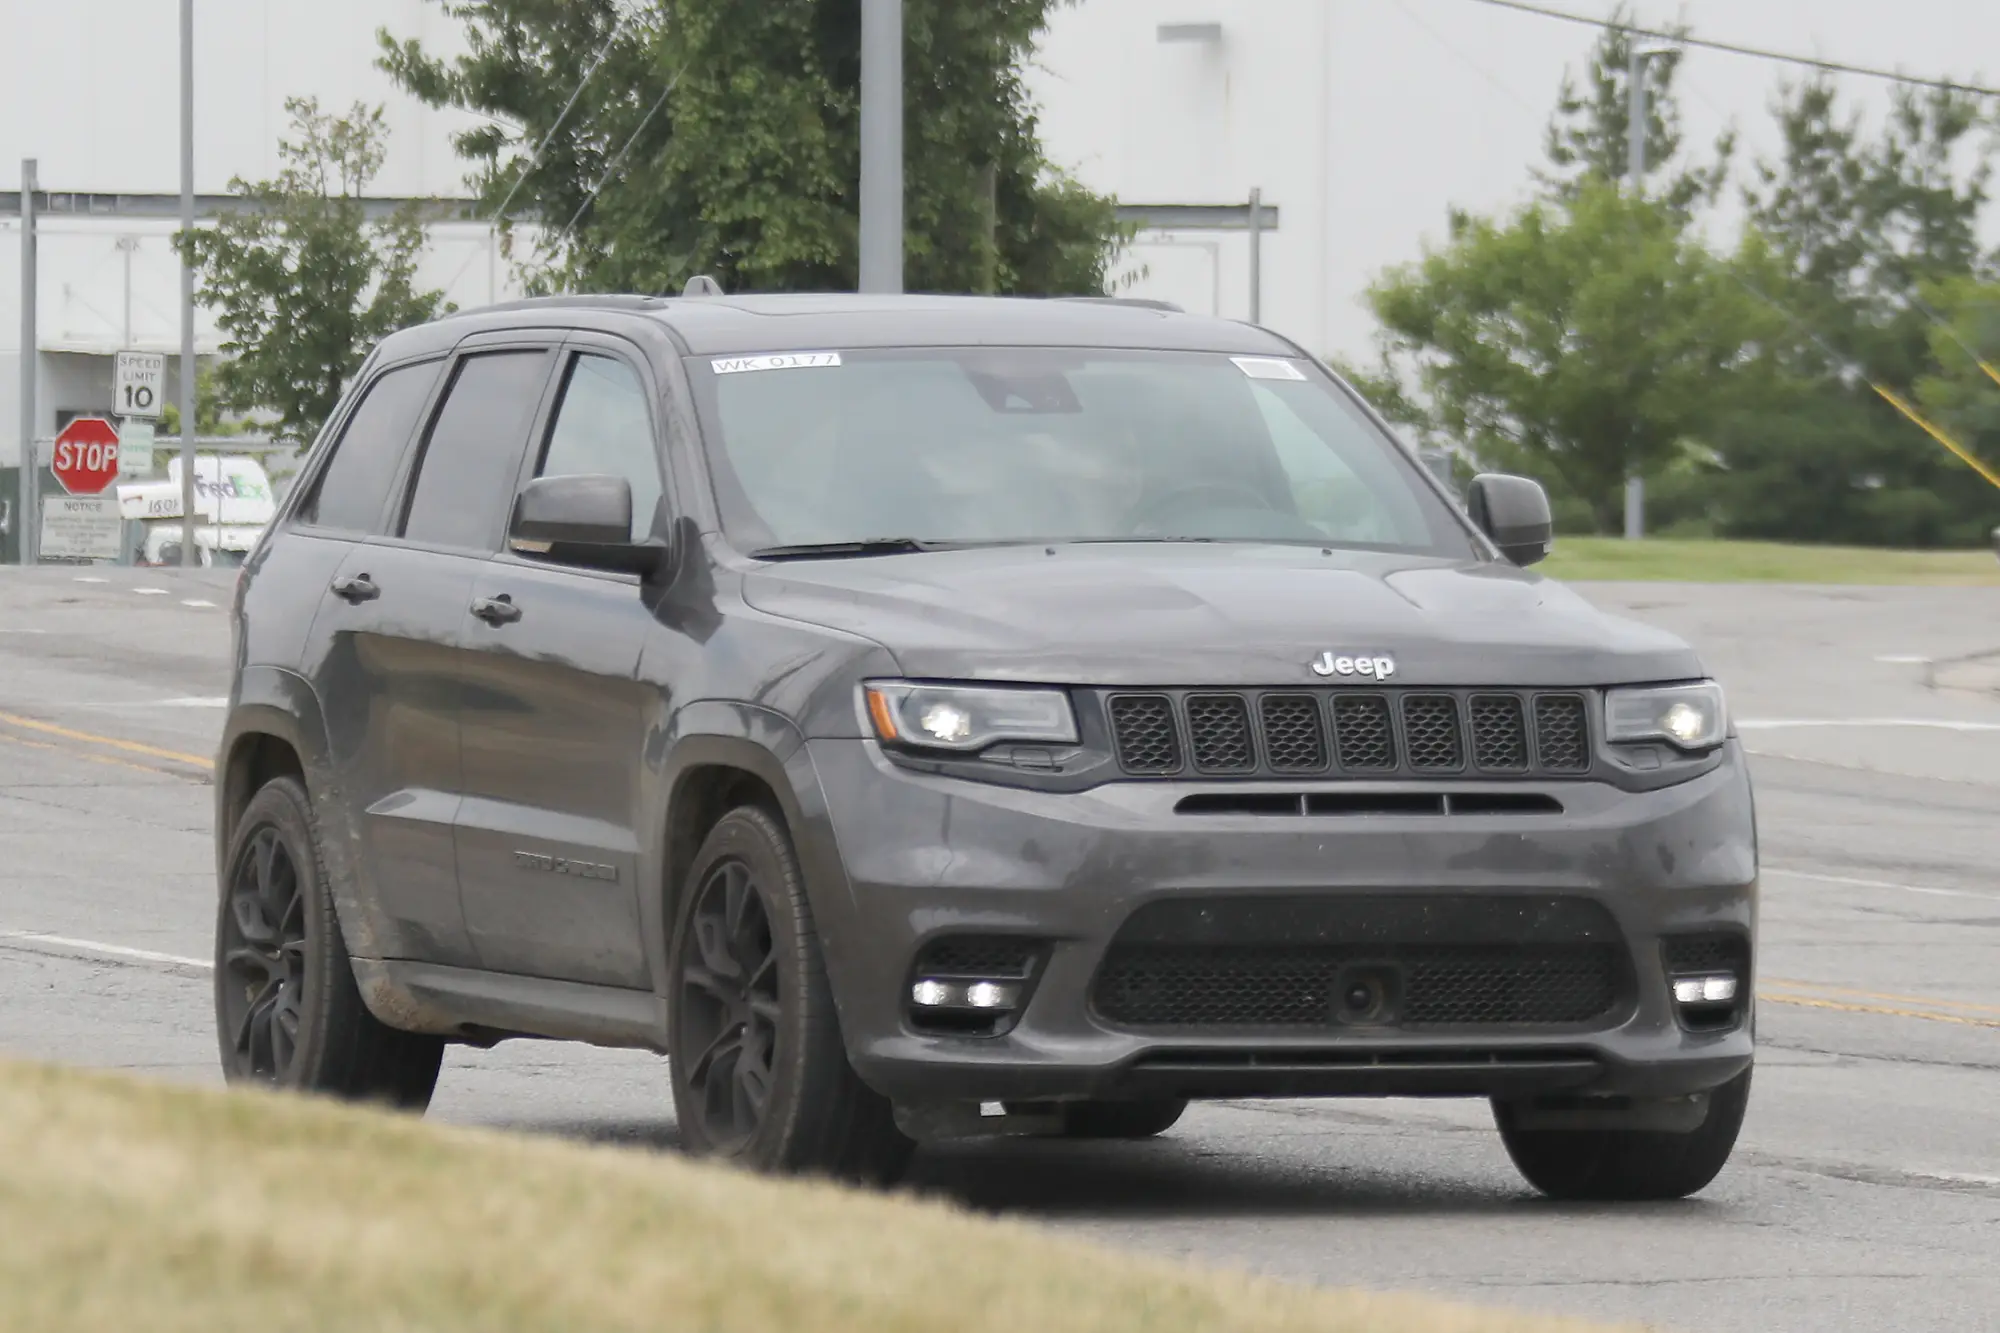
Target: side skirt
[483,1008]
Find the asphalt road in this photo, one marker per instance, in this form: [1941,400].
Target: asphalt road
[1865,1194]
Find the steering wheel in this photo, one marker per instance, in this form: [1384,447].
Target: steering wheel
[1178,497]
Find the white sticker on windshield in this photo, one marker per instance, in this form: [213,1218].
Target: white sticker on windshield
[1267,368]
[737,365]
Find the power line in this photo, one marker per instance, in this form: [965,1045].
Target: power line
[619,160]
[1733,48]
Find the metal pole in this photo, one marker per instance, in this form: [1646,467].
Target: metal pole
[881,145]
[189,556]
[30,357]
[1256,256]
[1635,152]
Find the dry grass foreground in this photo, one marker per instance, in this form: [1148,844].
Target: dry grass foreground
[1612,559]
[131,1206]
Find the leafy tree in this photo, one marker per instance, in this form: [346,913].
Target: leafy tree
[1580,340]
[1588,137]
[209,416]
[722,137]
[305,282]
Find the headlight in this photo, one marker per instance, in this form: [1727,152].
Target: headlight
[968,717]
[1692,717]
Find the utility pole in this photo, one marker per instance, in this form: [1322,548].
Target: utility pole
[881,145]
[26,523]
[1638,120]
[1256,256]
[189,556]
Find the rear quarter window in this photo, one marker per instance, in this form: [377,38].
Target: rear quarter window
[352,491]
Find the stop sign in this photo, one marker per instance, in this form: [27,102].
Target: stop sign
[87,456]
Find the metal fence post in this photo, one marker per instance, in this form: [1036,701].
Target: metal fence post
[30,366]
[1256,256]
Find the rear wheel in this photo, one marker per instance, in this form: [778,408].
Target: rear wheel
[288,1012]
[1121,1120]
[760,1073]
[1629,1165]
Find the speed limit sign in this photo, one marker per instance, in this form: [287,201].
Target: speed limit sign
[139,385]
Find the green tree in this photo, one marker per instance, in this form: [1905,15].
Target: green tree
[725,139]
[1578,340]
[209,414]
[1588,137]
[305,283]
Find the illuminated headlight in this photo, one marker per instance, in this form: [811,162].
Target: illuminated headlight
[1692,717]
[968,717]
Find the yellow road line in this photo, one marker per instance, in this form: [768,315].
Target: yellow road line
[1808,1002]
[89,738]
[127,764]
[1880,995]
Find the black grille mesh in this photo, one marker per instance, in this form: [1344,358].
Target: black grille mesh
[1431,733]
[1685,954]
[1357,732]
[1363,735]
[1143,725]
[1562,736]
[1293,986]
[1219,733]
[996,957]
[1294,734]
[1499,735]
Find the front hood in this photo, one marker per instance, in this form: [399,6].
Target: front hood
[1188,614]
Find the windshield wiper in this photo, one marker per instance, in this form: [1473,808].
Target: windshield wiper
[864,546]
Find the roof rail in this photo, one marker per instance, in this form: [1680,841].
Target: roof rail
[1142,302]
[604,301]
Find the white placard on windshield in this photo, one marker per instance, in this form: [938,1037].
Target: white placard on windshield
[738,365]
[1267,368]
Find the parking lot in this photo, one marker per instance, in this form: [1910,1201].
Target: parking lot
[1865,1195]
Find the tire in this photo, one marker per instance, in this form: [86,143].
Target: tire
[1629,1165]
[288,1012]
[759,1071]
[1121,1120]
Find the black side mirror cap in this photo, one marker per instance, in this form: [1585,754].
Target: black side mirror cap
[1514,513]
[584,521]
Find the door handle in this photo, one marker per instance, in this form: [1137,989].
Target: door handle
[356,590]
[497,610]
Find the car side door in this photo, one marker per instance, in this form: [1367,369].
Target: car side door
[385,660]
[555,718]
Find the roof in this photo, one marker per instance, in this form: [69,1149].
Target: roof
[733,325]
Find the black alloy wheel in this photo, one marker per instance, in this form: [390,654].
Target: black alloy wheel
[729,1009]
[264,958]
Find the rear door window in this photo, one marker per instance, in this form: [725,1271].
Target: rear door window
[352,492]
[603,428]
[465,479]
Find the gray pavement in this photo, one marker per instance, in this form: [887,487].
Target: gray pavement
[1865,1196]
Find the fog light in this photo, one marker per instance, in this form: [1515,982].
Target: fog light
[986,995]
[931,994]
[1705,990]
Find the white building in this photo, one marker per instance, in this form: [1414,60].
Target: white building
[1361,121]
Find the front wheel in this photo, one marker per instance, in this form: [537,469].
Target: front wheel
[288,1012]
[760,1074]
[1629,1165]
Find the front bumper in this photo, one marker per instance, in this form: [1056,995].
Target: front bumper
[906,859]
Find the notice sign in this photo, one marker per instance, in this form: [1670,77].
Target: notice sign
[80,527]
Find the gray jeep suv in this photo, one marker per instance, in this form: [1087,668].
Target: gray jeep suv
[929,717]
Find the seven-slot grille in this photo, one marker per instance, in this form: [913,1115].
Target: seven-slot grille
[1351,733]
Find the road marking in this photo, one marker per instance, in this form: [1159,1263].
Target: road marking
[198,603]
[9,629]
[1905,659]
[88,738]
[1854,883]
[91,758]
[85,578]
[108,950]
[151,592]
[1967,1005]
[1808,1002]
[1928,723]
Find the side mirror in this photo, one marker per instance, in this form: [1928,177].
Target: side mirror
[1514,513]
[581,520]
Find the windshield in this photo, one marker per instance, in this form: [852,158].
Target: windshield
[1056,445]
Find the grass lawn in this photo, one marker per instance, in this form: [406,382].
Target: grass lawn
[1610,559]
[129,1205]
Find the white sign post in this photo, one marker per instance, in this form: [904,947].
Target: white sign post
[139,385]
